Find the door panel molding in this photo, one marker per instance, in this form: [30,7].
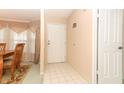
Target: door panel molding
[110,38]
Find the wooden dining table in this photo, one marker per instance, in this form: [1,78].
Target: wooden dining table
[3,55]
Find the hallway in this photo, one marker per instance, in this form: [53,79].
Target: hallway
[62,73]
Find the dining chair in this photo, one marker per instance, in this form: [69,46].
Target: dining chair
[18,54]
[1,67]
[2,47]
[15,60]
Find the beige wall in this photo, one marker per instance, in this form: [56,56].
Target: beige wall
[79,42]
[53,20]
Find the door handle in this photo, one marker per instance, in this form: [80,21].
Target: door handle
[120,47]
[48,42]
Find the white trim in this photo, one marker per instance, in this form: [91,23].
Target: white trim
[42,44]
[123,46]
[94,46]
[41,74]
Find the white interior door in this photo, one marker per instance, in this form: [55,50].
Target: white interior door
[56,43]
[110,46]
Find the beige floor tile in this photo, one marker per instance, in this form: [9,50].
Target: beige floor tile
[62,73]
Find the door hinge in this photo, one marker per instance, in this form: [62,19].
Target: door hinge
[97,13]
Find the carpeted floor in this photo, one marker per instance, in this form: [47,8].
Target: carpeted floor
[19,76]
[33,76]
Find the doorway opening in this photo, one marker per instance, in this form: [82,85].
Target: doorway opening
[56,43]
[68,46]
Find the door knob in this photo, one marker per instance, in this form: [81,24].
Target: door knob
[48,43]
[120,47]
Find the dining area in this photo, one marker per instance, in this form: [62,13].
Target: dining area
[19,46]
[10,59]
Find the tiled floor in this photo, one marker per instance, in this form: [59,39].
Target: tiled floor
[62,73]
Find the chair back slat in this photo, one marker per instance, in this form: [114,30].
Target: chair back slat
[18,53]
[2,47]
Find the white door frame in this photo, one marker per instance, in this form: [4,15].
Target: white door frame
[94,45]
[42,43]
[95,22]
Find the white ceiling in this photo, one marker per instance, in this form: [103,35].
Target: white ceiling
[58,13]
[25,15]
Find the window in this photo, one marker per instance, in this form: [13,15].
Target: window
[1,35]
[20,37]
[32,37]
[12,38]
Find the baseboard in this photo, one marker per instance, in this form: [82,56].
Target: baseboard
[41,76]
[123,81]
[41,73]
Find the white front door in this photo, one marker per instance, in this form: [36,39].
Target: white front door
[56,43]
[110,46]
